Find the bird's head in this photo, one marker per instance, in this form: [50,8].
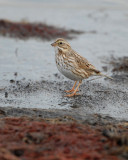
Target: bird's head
[61,43]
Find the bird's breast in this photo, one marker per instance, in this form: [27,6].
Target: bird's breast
[65,67]
[61,62]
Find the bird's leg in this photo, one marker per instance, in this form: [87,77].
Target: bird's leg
[68,91]
[74,93]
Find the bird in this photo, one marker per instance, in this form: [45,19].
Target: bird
[72,65]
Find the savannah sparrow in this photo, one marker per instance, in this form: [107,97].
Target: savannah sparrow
[72,65]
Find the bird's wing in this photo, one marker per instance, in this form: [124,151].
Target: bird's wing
[83,63]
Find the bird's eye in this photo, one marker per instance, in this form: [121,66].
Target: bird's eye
[60,43]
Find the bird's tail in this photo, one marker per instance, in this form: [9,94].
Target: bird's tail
[100,74]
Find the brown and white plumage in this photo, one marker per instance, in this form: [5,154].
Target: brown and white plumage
[72,65]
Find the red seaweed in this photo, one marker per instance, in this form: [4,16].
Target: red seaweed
[24,30]
[24,138]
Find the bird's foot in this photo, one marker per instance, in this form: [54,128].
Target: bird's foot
[73,94]
[69,91]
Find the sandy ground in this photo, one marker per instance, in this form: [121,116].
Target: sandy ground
[30,83]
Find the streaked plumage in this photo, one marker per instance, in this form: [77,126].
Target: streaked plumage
[72,65]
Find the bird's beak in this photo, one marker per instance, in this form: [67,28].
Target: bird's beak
[53,44]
